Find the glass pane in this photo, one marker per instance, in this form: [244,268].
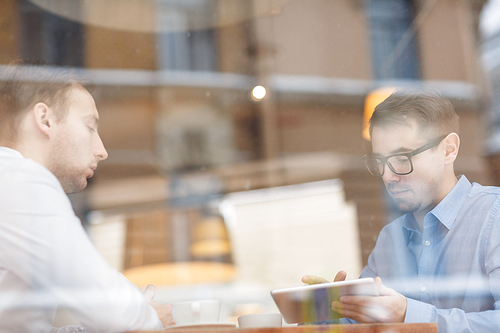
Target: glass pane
[234,142]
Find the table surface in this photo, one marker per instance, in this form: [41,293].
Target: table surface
[359,328]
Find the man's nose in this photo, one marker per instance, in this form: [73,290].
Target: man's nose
[389,176]
[100,152]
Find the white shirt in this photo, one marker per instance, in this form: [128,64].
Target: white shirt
[47,260]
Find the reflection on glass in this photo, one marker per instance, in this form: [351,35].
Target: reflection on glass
[175,86]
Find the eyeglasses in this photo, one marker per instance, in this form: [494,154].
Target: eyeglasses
[401,163]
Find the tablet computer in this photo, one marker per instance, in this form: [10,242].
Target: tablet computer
[312,303]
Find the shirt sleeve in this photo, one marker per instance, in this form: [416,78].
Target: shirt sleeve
[452,320]
[45,245]
[455,319]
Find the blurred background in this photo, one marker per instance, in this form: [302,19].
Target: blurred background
[235,127]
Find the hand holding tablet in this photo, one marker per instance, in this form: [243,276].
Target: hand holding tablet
[312,303]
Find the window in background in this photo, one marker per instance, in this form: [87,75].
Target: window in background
[187,38]
[394,45]
[49,37]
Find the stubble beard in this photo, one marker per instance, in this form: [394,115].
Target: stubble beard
[74,185]
[416,202]
[71,181]
[407,206]
[71,178]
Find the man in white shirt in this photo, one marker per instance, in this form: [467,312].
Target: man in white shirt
[49,146]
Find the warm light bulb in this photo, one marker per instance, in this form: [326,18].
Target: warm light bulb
[258,93]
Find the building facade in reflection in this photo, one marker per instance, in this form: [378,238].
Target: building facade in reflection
[173,81]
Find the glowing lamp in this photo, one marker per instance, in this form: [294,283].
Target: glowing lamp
[373,99]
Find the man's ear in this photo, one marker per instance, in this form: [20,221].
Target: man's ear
[451,147]
[43,117]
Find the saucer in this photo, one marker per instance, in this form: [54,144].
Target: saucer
[206,325]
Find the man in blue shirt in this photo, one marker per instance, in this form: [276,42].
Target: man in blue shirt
[440,262]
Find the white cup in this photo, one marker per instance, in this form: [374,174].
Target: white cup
[204,311]
[260,320]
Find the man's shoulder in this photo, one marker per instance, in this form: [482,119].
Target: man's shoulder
[27,184]
[24,170]
[478,189]
[22,176]
[482,198]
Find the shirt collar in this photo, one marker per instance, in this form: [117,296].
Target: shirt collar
[445,212]
[410,227]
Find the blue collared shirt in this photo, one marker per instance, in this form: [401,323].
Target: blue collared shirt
[449,272]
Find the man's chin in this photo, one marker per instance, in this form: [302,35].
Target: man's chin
[406,207]
[75,187]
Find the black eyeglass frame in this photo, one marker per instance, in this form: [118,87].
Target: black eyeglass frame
[409,155]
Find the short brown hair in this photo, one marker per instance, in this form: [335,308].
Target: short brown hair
[23,84]
[434,114]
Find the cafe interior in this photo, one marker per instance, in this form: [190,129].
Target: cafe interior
[236,128]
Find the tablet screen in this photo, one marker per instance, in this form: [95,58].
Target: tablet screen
[312,303]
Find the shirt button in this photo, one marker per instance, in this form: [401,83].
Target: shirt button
[423,289]
[427,243]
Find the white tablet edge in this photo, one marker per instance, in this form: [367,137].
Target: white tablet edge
[325,285]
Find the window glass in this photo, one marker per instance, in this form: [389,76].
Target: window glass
[236,133]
